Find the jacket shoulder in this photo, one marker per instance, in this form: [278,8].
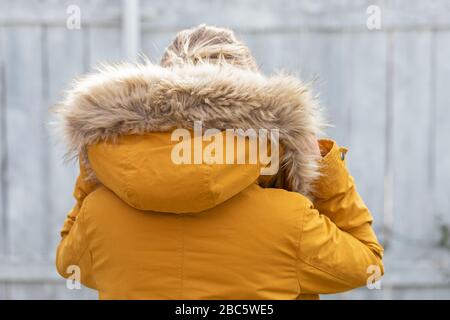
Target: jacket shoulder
[281,201]
[287,197]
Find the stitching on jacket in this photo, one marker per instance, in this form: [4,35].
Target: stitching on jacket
[128,181]
[302,223]
[300,234]
[210,184]
[353,285]
[322,269]
[92,267]
[91,256]
[182,258]
[88,249]
[81,223]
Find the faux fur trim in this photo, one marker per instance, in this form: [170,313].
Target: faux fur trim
[134,99]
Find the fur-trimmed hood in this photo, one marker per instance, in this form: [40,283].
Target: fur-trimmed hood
[136,99]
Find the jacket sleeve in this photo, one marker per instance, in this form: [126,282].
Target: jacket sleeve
[73,248]
[338,249]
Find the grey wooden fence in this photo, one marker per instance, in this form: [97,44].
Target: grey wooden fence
[386,92]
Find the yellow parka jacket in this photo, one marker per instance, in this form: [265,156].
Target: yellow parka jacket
[144,227]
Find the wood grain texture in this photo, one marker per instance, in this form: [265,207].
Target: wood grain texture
[413,205]
[441,132]
[385,92]
[364,95]
[25,138]
[3,152]
[54,12]
[292,16]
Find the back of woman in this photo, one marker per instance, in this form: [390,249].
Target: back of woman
[201,178]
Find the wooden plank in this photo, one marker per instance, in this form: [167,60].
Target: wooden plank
[3,292]
[25,141]
[274,52]
[290,16]
[441,155]
[35,291]
[65,51]
[131,29]
[413,208]
[422,294]
[50,291]
[37,12]
[28,270]
[364,93]
[402,273]
[396,294]
[285,15]
[388,201]
[36,279]
[357,294]
[3,151]
[105,45]
[61,292]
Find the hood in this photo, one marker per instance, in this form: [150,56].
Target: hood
[139,169]
[107,114]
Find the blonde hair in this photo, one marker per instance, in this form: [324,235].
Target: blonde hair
[208,44]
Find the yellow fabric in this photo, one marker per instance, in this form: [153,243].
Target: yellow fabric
[155,230]
[139,169]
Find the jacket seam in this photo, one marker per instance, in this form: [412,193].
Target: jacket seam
[81,225]
[350,284]
[91,256]
[128,181]
[210,184]
[298,251]
[182,258]
[315,266]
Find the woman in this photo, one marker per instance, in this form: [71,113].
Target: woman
[148,227]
